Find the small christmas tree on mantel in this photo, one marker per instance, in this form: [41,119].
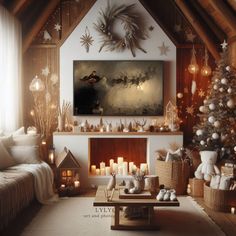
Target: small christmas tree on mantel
[217,127]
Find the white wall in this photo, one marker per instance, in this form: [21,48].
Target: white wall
[72,50]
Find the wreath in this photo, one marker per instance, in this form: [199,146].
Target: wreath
[132,27]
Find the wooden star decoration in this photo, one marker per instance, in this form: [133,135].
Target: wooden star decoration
[57,27]
[45,71]
[190,36]
[190,110]
[201,93]
[163,49]
[86,39]
[177,27]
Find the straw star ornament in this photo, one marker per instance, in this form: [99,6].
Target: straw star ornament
[86,39]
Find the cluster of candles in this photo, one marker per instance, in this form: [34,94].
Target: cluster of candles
[69,180]
[120,168]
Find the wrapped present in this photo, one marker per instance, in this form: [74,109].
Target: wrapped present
[228,171]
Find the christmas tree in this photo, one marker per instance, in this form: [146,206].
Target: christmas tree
[217,127]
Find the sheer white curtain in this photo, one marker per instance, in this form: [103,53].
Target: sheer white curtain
[10,72]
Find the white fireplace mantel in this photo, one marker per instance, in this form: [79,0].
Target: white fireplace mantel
[78,144]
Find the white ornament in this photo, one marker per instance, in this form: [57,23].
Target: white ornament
[199,132]
[221,90]
[227,68]
[222,149]
[217,124]
[203,109]
[212,106]
[235,148]
[57,27]
[230,103]
[204,101]
[54,78]
[215,87]
[202,142]
[229,90]
[46,35]
[212,119]
[179,95]
[194,87]
[216,80]
[215,136]
[224,81]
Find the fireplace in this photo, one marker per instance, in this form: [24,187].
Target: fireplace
[119,155]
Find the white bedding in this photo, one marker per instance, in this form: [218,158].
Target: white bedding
[43,181]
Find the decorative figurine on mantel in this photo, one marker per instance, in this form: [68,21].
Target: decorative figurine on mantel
[112,182]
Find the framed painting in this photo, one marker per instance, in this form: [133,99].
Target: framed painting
[118,88]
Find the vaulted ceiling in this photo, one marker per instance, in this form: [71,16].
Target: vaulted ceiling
[212,20]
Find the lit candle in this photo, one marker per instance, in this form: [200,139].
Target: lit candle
[102,165]
[232,210]
[69,173]
[120,170]
[120,160]
[77,183]
[108,170]
[51,156]
[93,169]
[97,171]
[63,185]
[131,166]
[102,171]
[134,168]
[125,168]
[143,167]
[111,162]
[115,168]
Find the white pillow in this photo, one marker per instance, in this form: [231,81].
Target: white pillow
[6,160]
[26,140]
[25,154]
[215,181]
[225,182]
[20,131]
[6,141]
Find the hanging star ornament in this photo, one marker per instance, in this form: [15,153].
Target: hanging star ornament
[163,49]
[190,36]
[190,110]
[57,27]
[224,45]
[86,39]
[45,71]
[201,93]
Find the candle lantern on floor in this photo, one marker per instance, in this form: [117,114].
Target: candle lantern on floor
[51,155]
[67,172]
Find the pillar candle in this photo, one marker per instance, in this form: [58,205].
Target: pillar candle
[143,167]
[102,165]
[134,168]
[108,170]
[120,160]
[131,166]
[111,162]
[97,171]
[120,170]
[93,169]
[76,183]
[102,171]
[51,158]
[232,210]
[125,168]
[115,168]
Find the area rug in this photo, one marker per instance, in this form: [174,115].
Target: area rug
[77,217]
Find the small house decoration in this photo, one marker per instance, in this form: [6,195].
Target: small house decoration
[67,173]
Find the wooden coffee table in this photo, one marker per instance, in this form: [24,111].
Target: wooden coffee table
[121,223]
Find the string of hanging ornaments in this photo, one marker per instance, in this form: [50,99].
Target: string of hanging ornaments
[131,26]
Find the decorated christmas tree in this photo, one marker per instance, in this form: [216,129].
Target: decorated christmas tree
[217,127]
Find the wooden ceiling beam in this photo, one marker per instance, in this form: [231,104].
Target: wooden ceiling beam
[225,14]
[193,20]
[27,40]
[232,3]
[17,6]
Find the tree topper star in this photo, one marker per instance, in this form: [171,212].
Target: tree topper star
[224,45]
[57,27]
[163,49]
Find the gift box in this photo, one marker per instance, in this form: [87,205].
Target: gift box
[228,171]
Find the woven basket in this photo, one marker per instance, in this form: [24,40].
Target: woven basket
[219,200]
[196,186]
[173,174]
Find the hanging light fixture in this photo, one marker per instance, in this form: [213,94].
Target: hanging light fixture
[193,67]
[36,85]
[206,70]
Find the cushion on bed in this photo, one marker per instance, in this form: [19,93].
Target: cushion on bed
[6,160]
[26,140]
[25,154]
